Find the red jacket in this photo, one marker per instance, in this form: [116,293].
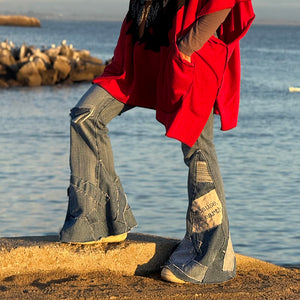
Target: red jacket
[150,73]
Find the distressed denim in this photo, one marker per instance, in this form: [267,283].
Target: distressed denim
[205,255]
[97,203]
[98,206]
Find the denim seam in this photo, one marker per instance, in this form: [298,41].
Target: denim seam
[86,194]
[223,204]
[104,108]
[96,134]
[96,128]
[114,181]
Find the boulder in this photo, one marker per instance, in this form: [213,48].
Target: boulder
[52,53]
[93,60]
[40,64]
[6,45]
[3,83]
[49,77]
[81,54]
[13,82]
[62,65]
[87,70]
[77,75]
[66,50]
[11,71]
[42,56]
[25,52]
[6,57]
[96,69]
[29,75]
[2,69]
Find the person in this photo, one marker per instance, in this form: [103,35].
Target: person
[180,58]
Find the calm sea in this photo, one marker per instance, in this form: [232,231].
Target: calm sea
[259,160]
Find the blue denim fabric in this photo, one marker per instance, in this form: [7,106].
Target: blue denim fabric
[97,204]
[205,255]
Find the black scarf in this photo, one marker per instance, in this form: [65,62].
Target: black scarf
[158,18]
[137,8]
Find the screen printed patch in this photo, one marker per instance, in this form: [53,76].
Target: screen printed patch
[206,212]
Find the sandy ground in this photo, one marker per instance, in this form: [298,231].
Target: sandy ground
[285,284]
[57,279]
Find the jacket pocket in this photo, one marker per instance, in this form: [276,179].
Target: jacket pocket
[174,81]
[210,63]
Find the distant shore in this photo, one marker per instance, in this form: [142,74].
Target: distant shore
[19,20]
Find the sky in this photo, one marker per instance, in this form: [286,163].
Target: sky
[267,11]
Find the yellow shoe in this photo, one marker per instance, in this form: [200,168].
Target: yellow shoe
[109,239]
[167,275]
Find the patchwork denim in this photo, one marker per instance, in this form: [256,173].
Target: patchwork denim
[97,204]
[205,255]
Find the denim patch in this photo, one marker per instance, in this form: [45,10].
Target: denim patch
[202,173]
[229,261]
[183,264]
[206,212]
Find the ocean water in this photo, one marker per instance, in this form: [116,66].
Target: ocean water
[259,159]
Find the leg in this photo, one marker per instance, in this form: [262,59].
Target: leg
[205,255]
[97,204]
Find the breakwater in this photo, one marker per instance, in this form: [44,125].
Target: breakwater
[30,66]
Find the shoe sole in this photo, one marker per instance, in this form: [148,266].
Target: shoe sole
[105,240]
[167,275]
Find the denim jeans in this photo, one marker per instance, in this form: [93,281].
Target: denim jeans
[205,255]
[98,206]
[97,203]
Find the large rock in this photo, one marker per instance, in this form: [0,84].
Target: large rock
[94,68]
[29,75]
[43,56]
[80,54]
[2,69]
[77,76]
[139,254]
[52,53]
[62,65]
[3,83]
[24,51]
[6,57]
[66,50]
[42,268]
[85,71]
[94,60]
[49,77]
[40,64]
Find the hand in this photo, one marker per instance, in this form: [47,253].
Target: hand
[185,57]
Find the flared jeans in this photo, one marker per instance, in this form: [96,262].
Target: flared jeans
[98,206]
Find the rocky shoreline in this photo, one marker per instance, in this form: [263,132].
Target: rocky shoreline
[30,66]
[16,20]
